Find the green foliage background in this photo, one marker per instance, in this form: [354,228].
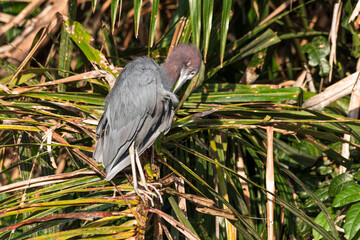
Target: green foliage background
[217,146]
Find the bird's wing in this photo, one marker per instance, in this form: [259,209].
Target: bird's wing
[160,121]
[131,101]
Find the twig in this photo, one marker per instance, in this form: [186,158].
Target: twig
[21,44]
[93,74]
[177,33]
[21,16]
[81,215]
[277,11]
[300,80]
[309,79]
[353,112]
[240,167]
[355,12]
[270,184]
[43,36]
[40,181]
[333,35]
[333,93]
[184,230]
[180,188]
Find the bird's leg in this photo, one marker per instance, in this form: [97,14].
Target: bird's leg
[152,184]
[133,168]
[141,172]
[144,183]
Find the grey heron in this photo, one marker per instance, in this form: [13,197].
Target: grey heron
[140,107]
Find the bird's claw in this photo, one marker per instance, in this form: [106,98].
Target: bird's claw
[135,162]
[140,193]
[154,188]
[148,193]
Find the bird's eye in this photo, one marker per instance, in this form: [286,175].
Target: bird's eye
[192,73]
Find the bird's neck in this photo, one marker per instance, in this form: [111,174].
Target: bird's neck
[171,75]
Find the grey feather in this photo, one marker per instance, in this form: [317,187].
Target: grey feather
[138,109]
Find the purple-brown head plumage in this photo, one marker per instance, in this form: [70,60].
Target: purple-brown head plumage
[181,65]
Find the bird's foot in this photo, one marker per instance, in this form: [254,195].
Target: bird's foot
[147,192]
[154,187]
[141,192]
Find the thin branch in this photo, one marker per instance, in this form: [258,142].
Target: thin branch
[184,230]
[333,35]
[270,184]
[333,93]
[41,181]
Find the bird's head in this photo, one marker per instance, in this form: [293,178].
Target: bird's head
[187,59]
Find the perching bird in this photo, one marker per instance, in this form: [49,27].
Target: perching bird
[139,108]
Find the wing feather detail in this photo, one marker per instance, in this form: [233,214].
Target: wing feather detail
[138,109]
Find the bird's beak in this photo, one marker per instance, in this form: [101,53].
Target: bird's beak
[181,81]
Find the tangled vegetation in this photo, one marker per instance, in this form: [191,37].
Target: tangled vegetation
[264,145]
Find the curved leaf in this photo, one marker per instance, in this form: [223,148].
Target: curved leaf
[352,221]
[82,40]
[137,12]
[195,16]
[346,196]
[208,6]
[317,51]
[225,19]
[153,20]
[321,220]
[341,182]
